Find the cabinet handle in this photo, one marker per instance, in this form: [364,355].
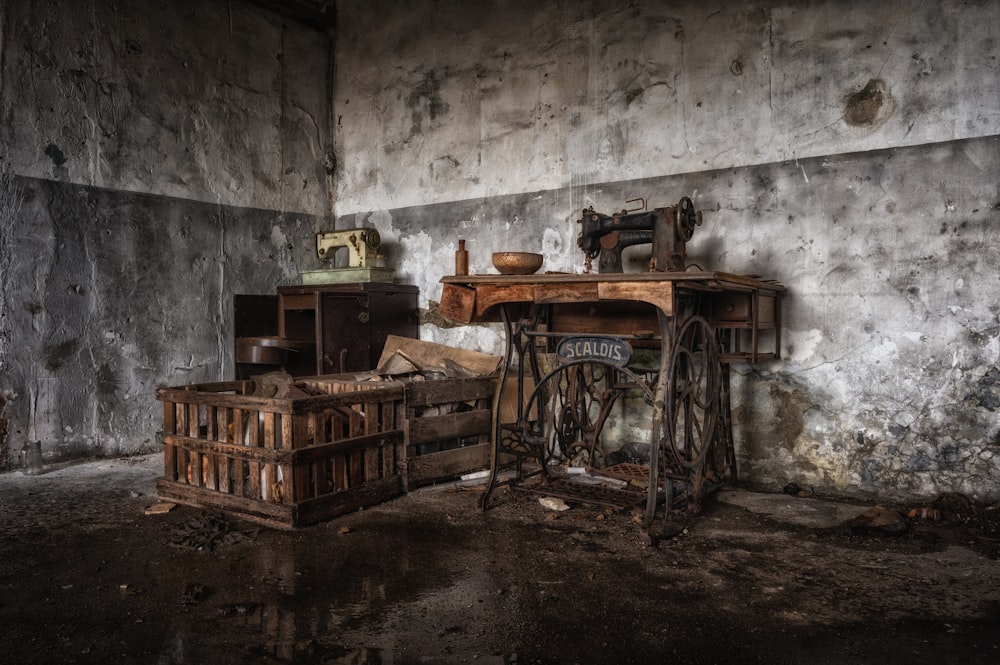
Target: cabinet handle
[343,361]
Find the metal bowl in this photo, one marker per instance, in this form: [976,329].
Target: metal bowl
[517,263]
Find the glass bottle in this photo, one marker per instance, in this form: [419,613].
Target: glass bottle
[461,259]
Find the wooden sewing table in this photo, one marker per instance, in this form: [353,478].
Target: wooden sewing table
[697,323]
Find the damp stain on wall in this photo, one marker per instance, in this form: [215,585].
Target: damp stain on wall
[985,393]
[868,106]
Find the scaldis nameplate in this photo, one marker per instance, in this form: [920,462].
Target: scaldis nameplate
[607,350]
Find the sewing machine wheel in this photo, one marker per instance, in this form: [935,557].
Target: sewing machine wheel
[686,218]
[372,238]
[585,395]
[693,388]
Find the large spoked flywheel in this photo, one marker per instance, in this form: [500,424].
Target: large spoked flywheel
[583,400]
[692,393]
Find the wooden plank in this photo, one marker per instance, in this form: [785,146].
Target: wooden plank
[253,441]
[430,354]
[182,417]
[301,405]
[371,464]
[658,295]
[355,469]
[392,415]
[211,431]
[448,464]
[239,477]
[345,446]
[238,435]
[318,467]
[270,471]
[356,424]
[225,475]
[371,419]
[329,506]
[231,450]
[222,420]
[194,472]
[301,477]
[169,451]
[458,303]
[271,514]
[450,426]
[564,292]
[315,431]
[209,466]
[423,393]
[320,402]
[340,476]
[490,297]
[476,281]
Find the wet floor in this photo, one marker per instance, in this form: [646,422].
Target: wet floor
[87,577]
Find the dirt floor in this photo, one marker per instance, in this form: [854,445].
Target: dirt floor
[87,577]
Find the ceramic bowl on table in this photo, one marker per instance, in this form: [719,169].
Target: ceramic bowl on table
[517,263]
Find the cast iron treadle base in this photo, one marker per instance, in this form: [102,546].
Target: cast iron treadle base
[600,495]
[635,474]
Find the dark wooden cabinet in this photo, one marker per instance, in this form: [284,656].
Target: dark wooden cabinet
[348,322]
[341,327]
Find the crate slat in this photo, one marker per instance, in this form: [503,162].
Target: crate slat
[447,413]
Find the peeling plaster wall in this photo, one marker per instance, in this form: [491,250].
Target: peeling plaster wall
[469,100]
[849,150]
[155,159]
[211,101]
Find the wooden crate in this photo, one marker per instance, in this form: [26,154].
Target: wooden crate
[283,462]
[448,426]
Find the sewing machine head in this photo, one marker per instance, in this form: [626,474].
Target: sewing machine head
[668,229]
[362,246]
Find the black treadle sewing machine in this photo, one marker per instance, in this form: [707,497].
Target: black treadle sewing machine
[668,229]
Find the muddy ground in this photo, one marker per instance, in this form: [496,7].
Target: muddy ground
[87,577]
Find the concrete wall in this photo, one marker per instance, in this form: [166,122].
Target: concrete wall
[155,159]
[847,149]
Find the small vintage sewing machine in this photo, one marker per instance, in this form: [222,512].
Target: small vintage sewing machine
[364,262]
[668,229]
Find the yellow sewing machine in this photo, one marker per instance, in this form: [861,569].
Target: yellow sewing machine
[364,261]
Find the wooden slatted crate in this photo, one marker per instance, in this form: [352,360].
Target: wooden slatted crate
[283,462]
[448,426]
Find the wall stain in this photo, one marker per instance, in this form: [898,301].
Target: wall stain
[862,109]
[56,355]
[425,98]
[107,382]
[984,392]
[54,153]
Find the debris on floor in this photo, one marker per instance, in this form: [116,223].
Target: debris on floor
[159,508]
[207,531]
[553,503]
[195,593]
[877,519]
[924,514]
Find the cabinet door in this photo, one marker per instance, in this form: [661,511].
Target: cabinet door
[345,327]
[392,313]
